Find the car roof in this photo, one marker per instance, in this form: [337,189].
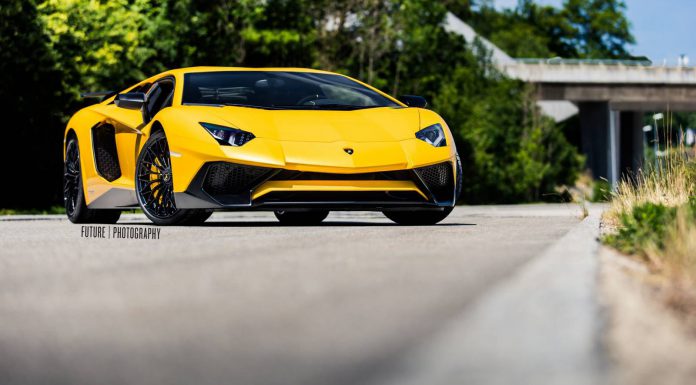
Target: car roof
[179,72]
[187,70]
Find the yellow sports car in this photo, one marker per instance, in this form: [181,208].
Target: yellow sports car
[298,142]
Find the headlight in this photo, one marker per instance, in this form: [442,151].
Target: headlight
[434,135]
[228,136]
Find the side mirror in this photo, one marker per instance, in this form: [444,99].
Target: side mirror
[413,101]
[130,100]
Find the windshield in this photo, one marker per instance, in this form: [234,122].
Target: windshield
[280,90]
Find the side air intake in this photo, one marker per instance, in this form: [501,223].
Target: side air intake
[105,154]
[439,179]
[225,178]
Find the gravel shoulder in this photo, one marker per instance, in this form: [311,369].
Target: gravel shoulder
[647,342]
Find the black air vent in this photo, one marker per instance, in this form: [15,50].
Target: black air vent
[228,178]
[105,154]
[438,179]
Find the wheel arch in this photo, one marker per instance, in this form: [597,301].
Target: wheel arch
[152,128]
[69,134]
[156,127]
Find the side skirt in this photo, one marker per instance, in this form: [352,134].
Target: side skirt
[115,198]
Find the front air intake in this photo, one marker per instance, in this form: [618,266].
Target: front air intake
[439,180]
[225,178]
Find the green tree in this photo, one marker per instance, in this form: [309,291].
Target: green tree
[282,34]
[543,28]
[510,152]
[587,29]
[600,29]
[30,105]
[109,44]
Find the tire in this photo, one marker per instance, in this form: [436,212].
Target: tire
[154,186]
[301,218]
[460,180]
[73,194]
[198,218]
[418,218]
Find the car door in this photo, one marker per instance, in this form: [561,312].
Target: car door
[117,138]
[111,137]
[123,128]
[129,138]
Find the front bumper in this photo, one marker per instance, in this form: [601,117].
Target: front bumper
[232,186]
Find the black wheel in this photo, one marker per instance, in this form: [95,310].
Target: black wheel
[73,194]
[301,218]
[416,218]
[155,188]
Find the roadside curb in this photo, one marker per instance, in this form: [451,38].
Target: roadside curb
[36,217]
[542,326]
[55,217]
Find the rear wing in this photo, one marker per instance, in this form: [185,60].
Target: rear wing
[103,95]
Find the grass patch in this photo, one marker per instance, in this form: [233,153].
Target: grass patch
[643,228]
[601,191]
[672,183]
[664,236]
[654,217]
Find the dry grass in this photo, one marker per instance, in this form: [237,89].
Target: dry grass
[672,257]
[677,264]
[671,184]
[678,257]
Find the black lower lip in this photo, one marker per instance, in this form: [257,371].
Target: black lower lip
[228,186]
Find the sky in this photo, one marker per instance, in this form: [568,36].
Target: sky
[664,29]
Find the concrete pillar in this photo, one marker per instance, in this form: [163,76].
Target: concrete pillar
[595,119]
[631,147]
[611,140]
[613,152]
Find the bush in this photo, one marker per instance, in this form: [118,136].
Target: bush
[648,225]
[643,228]
[510,152]
[601,191]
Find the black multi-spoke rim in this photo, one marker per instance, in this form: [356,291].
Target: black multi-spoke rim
[154,180]
[71,177]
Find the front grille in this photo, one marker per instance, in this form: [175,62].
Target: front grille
[231,183]
[438,179]
[225,178]
[302,175]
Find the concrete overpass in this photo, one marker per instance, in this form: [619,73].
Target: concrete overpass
[610,96]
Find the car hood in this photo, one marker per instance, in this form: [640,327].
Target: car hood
[384,124]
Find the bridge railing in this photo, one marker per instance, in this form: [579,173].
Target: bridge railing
[606,62]
[597,72]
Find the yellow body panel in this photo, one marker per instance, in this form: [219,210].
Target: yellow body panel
[382,139]
[335,185]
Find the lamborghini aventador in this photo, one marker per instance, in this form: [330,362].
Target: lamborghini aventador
[298,142]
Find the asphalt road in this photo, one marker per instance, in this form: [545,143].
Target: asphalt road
[243,300]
